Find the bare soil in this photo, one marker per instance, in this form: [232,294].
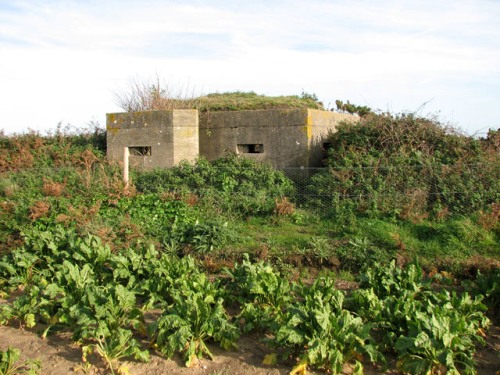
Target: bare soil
[59,356]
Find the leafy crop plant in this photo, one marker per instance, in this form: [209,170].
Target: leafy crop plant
[196,315]
[10,363]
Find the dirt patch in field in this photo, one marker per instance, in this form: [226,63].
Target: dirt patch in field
[59,356]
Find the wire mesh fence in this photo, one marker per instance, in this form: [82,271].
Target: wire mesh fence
[401,190]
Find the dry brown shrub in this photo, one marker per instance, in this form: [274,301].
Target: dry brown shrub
[10,189]
[418,217]
[479,263]
[107,236]
[85,159]
[490,219]
[106,178]
[215,265]
[21,158]
[6,209]
[262,251]
[4,163]
[38,143]
[188,198]
[64,219]
[399,241]
[25,159]
[84,215]
[117,189]
[466,268]
[283,207]
[111,181]
[12,241]
[128,232]
[20,152]
[167,196]
[432,271]
[39,209]
[191,199]
[113,202]
[52,188]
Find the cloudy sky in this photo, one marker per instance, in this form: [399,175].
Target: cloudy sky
[64,61]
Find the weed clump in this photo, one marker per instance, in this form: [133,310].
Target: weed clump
[407,167]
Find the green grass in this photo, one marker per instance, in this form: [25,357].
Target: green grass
[241,101]
[451,242]
[279,234]
[238,101]
[457,237]
[260,232]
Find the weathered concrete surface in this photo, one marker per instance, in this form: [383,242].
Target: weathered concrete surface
[289,137]
[171,136]
[283,137]
[185,135]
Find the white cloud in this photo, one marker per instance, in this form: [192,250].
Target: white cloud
[63,60]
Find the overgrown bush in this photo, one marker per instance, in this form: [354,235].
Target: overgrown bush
[232,185]
[58,177]
[404,166]
[63,147]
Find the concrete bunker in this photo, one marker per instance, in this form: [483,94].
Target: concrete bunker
[154,138]
[284,137]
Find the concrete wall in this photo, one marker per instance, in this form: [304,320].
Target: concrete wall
[320,124]
[154,138]
[284,137]
[186,140]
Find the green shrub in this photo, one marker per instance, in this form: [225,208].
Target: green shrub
[232,184]
[404,166]
[196,316]
[262,291]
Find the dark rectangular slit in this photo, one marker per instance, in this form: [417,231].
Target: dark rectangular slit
[140,151]
[251,148]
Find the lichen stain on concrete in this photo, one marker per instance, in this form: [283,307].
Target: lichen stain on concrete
[186,132]
[308,128]
[113,129]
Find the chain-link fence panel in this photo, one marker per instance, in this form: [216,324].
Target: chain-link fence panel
[403,191]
